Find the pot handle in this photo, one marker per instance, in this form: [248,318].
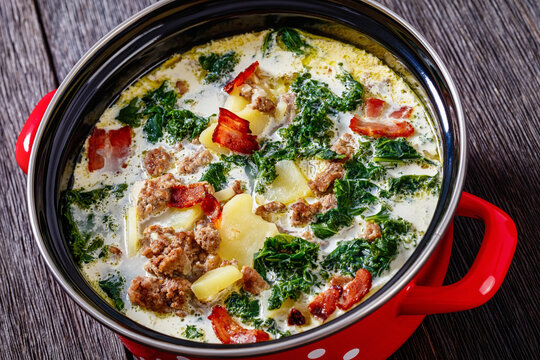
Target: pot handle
[28,132]
[486,273]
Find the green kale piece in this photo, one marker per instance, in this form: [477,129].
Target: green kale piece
[394,151]
[264,161]
[85,199]
[182,124]
[192,332]
[349,256]
[289,38]
[216,175]
[159,103]
[240,304]
[353,196]
[329,223]
[287,262]
[320,153]
[270,326]
[112,286]
[130,114]
[237,159]
[356,169]
[218,65]
[411,184]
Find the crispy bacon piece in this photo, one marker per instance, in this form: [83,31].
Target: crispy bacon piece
[183,196]
[325,303]
[296,318]
[374,107]
[233,132]
[108,149]
[403,112]
[241,78]
[229,331]
[355,290]
[376,130]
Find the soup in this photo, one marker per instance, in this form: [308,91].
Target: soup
[253,187]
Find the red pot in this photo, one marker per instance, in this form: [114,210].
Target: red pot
[374,329]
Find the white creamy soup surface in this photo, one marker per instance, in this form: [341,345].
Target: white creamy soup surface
[245,210]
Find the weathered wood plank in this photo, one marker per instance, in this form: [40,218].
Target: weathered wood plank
[491,50]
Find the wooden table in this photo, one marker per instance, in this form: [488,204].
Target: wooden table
[492,49]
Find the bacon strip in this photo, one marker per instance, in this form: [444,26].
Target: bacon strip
[403,112]
[325,303]
[374,107]
[376,130]
[241,78]
[355,290]
[108,149]
[233,132]
[184,196]
[229,331]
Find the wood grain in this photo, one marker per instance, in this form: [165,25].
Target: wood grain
[491,49]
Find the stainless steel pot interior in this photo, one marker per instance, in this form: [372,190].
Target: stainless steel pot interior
[148,38]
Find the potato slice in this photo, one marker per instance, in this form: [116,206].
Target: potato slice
[225,194]
[235,102]
[242,232]
[206,139]
[131,232]
[258,121]
[178,219]
[208,286]
[290,185]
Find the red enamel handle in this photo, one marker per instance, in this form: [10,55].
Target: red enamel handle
[28,132]
[485,275]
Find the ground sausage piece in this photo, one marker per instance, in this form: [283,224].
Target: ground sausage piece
[182,87]
[172,262]
[156,161]
[115,251]
[158,294]
[340,280]
[302,212]
[328,202]
[344,146]
[325,179]
[264,104]
[265,210]
[372,232]
[237,187]
[253,281]
[155,195]
[191,163]
[207,236]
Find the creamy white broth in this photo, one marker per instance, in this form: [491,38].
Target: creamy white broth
[325,59]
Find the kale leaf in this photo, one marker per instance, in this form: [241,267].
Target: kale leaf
[112,286]
[240,304]
[411,184]
[353,196]
[287,262]
[182,124]
[289,38]
[329,223]
[394,151]
[159,103]
[130,114]
[356,169]
[218,65]
[192,332]
[265,160]
[216,175]
[85,199]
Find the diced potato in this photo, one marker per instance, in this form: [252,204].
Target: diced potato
[235,102]
[210,284]
[290,185]
[258,121]
[225,194]
[178,219]
[132,232]
[206,139]
[242,232]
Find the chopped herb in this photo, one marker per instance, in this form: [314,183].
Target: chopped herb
[192,332]
[216,175]
[218,65]
[112,286]
[182,124]
[329,223]
[287,262]
[129,114]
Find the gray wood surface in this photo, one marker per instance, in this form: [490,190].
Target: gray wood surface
[492,50]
